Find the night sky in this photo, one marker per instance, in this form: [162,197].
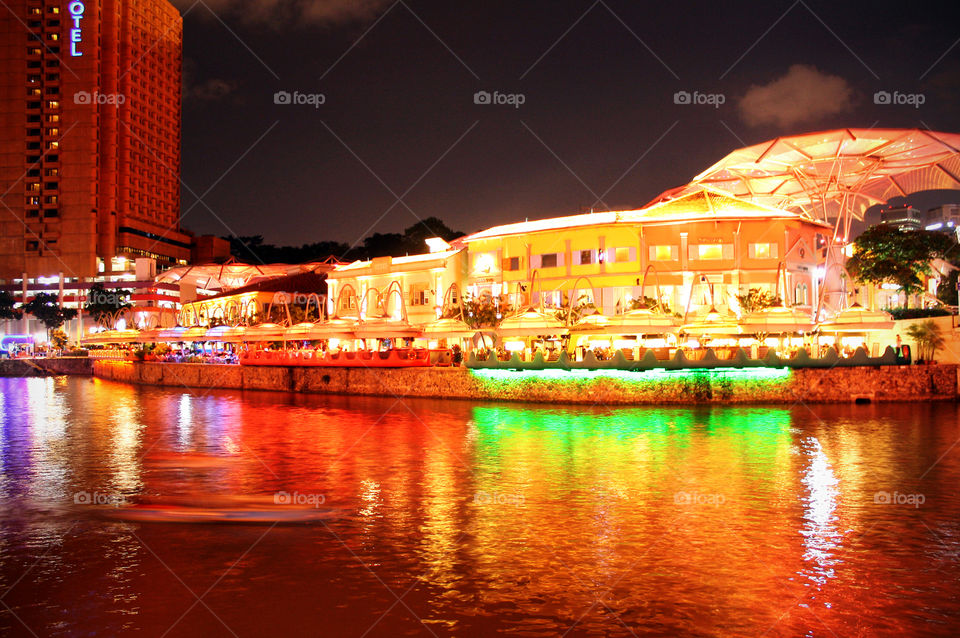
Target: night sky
[598,127]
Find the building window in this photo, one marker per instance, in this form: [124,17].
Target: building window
[663,252]
[763,251]
[713,251]
[419,295]
[511,263]
[549,260]
[586,257]
[622,254]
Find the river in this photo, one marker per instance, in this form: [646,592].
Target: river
[452,518]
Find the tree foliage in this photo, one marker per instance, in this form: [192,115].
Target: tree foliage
[886,254]
[757,299]
[101,301]
[46,308]
[8,309]
[947,290]
[252,249]
[483,311]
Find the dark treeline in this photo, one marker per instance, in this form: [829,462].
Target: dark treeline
[252,249]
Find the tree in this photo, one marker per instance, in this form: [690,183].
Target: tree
[928,337]
[584,307]
[947,290]
[757,299]
[46,308]
[8,309]
[59,339]
[481,312]
[886,254]
[101,301]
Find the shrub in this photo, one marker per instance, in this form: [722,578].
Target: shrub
[918,313]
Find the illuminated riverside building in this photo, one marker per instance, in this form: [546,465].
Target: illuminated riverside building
[90,168]
[698,242]
[374,288]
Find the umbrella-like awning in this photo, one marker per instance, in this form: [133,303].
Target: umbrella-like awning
[386,329]
[226,334]
[112,336]
[265,332]
[447,328]
[531,323]
[776,320]
[644,321]
[858,319]
[714,324]
[336,328]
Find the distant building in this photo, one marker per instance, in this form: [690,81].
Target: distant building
[90,94]
[945,218]
[903,217]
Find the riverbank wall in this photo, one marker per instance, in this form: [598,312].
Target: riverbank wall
[749,385]
[41,367]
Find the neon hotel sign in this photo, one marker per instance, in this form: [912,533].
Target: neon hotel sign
[76,10]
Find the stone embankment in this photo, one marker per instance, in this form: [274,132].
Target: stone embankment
[764,385]
[42,367]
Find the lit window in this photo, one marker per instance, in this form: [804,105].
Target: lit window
[710,251]
[763,251]
[662,253]
[621,255]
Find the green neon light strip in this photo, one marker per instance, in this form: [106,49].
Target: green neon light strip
[648,376]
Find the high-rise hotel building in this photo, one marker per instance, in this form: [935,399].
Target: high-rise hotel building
[90,97]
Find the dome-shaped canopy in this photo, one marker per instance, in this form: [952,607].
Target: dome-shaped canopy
[531,323]
[858,319]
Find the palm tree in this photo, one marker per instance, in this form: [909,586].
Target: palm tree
[928,337]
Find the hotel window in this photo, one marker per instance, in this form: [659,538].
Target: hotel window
[511,263]
[34,91]
[664,252]
[33,245]
[762,251]
[33,186]
[586,257]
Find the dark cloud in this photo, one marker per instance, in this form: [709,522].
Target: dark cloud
[279,13]
[804,94]
[212,90]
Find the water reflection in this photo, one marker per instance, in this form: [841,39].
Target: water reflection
[821,538]
[485,518]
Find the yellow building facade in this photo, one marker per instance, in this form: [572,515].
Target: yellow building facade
[700,250]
